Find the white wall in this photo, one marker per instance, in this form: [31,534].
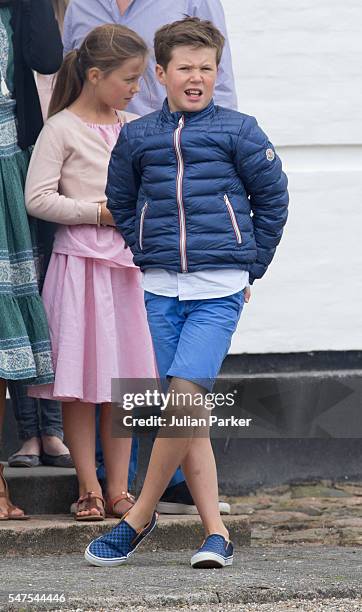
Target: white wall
[298,70]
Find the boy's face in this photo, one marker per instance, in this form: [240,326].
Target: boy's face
[189,78]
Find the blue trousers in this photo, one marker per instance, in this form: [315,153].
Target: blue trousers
[34,418]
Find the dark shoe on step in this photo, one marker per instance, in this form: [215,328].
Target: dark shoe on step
[178,500]
[24,460]
[61,461]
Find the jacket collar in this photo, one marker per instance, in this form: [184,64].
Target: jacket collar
[174,118]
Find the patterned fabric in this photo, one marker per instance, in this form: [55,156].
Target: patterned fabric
[118,544]
[8,134]
[25,351]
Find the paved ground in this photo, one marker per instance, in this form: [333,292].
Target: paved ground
[314,605]
[155,581]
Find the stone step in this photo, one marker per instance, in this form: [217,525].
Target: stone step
[42,490]
[62,534]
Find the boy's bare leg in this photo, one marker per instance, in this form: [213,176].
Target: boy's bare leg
[116,453]
[200,472]
[80,435]
[167,455]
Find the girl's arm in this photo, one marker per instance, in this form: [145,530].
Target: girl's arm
[42,45]
[42,197]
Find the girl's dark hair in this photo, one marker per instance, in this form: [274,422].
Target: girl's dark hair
[106,47]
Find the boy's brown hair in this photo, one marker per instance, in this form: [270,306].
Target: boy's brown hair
[191,32]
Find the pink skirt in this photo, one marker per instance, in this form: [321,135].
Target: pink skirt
[96,315]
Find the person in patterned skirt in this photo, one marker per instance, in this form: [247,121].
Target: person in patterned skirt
[29,40]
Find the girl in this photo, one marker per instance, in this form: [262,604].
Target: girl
[29,40]
[92,293]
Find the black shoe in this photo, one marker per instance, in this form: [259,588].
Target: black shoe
[17,460]
[178,500]
[62,461]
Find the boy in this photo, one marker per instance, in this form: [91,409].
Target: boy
[145,17]
[182,185]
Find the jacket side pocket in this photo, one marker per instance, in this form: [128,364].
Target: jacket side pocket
[233,219]
[142,221]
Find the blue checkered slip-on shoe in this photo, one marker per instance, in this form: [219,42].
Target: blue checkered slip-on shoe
[214,552]
[115,547]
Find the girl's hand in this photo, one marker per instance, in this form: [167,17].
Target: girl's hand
[106,216]
[247,295]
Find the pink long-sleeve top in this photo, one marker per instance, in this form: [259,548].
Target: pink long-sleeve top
[68,171]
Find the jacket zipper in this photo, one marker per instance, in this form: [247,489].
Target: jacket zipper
[179,196]
[233,219]
[143,213]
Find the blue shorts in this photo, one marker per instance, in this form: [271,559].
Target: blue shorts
[191,338]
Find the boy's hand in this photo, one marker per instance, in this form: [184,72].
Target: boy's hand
[247,294]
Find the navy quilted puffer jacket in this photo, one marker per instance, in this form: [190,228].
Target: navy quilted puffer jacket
[198,191]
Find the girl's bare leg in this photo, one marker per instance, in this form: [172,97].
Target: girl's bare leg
[116,454]
[80,435]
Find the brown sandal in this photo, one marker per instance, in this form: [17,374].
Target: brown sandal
[88,503]
[4,514]
[111,504]
[9,516]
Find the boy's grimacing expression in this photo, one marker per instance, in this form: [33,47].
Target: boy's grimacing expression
[117,88]
[189,78]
